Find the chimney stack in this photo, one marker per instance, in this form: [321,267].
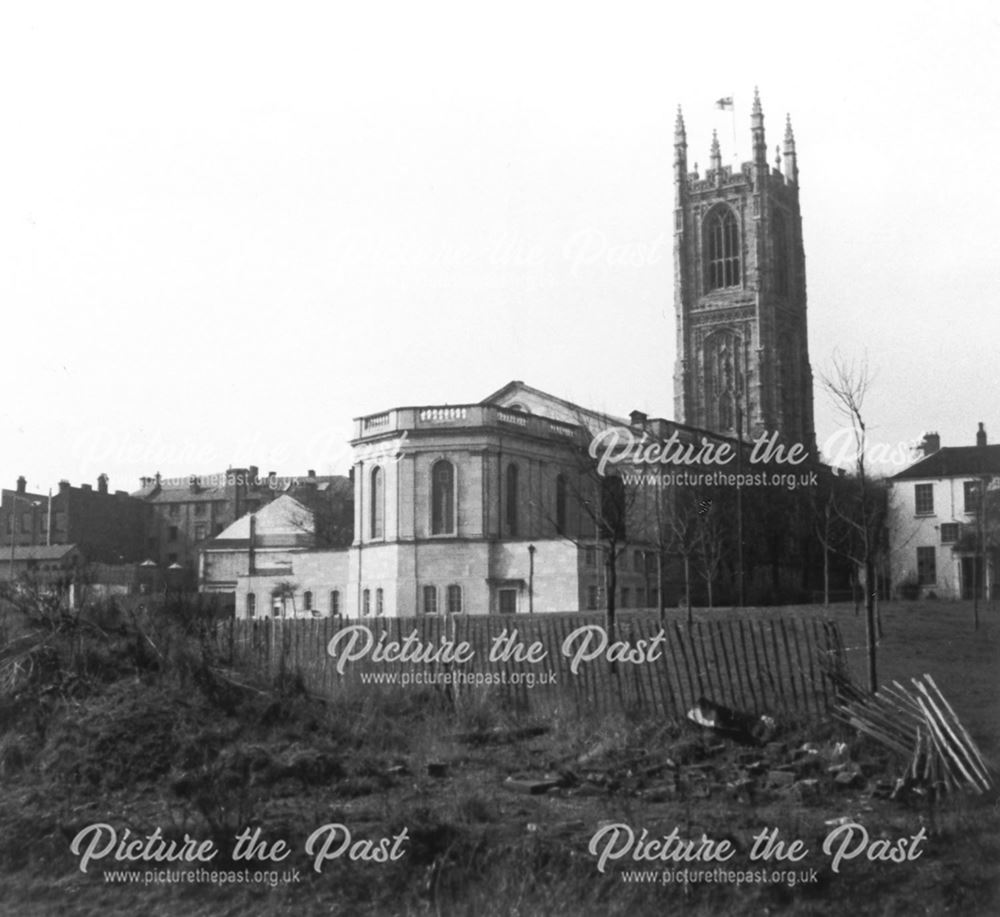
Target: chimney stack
[22,484]
[981,435]
[64,487]
[930,444]
[637,418]
[102,484]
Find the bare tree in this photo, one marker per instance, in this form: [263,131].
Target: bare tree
[983,540]
[848,384]
[600,509]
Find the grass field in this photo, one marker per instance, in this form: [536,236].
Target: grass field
[110,731]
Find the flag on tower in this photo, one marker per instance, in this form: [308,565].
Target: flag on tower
[726,103]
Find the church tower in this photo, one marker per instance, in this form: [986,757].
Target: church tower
[740,293]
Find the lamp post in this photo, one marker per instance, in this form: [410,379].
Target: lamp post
[531,579]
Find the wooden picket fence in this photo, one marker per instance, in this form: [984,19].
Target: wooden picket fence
[765,664]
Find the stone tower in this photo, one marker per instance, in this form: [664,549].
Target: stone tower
[740,293]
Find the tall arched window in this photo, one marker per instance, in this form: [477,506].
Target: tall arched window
[510,510]
[378,503]
[561,504]
[780,254]
[442,498]
[722,245]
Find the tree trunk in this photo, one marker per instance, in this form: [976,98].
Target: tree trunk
[687,587]
[612,583]
[660,602]
[870,623]
[826,576]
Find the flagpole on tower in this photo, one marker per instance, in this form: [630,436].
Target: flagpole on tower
[726,104]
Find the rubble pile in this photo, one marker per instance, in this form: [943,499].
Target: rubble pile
[702,766]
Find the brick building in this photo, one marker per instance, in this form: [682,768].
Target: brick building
[181,515]
[105,527]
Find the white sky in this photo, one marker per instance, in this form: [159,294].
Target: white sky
[225,230]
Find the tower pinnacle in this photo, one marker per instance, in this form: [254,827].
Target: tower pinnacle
[757,129]
[791,162]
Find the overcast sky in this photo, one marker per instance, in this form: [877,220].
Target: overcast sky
[227,229]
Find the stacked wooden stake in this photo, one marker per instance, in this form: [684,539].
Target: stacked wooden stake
[922,727]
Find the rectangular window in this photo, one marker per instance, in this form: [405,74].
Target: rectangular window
[949,533]
[45,521]
[926,566]
[379,602]
[334,602]
[640,597]
[200,531]
[171,558]
[430,600]
[972,496]
[199,509]
[26,522]
[924,499]
[592,598]
[638,562]
[626,597]
[175,510]
[251,605]
[654,597]
[307,601]
[590,556]
[172,533]
[366,603]
[508,601]
[454,600]
[10,523]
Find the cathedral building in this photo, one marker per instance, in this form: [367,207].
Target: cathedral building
[494,507]
[740,293]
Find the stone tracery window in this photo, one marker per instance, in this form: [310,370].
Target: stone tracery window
[722,247]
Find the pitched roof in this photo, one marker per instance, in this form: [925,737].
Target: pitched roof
[554,407]
[284,516]
[954,462]
[178,490]
[39,552]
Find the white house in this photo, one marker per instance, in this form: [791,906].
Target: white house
[934,515]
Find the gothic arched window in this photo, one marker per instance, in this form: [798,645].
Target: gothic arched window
[725,386]
[442,498]
[722,248]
